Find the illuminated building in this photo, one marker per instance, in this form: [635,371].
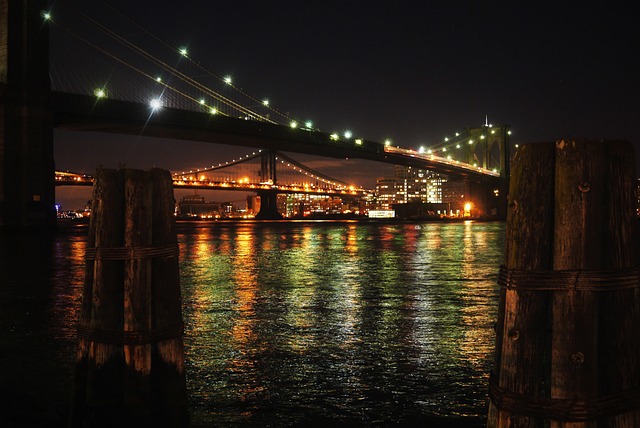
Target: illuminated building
[410,185]
[387,190]
[196,206]
[418,185]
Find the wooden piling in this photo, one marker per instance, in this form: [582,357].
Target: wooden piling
[567,341]
[130,359]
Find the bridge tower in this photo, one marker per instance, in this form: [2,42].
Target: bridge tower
[27,188]
[268,198]
[487,146]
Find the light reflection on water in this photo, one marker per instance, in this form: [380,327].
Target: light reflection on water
[286,323]
[356,323]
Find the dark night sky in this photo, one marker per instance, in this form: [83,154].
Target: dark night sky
[414,72]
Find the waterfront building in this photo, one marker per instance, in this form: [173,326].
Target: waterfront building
[195,206]
[418,185]
[303,205]
[455,195]
[387,190]
[410,185]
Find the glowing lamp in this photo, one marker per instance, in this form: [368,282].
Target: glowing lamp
[155,103]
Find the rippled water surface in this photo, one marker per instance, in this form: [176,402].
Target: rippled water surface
[370,324]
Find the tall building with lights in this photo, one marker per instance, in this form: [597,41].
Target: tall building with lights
[409,185]
[387,192]
[418,185]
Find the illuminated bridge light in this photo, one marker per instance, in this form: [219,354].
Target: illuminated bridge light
[46,16]
[334,137]
[446,138]
[202,101]
[227,80]
[457,134]
[155,103]
[265,102]
[482,137]
[387,142]
[358,141]
[158,79]
[308,124]
[457,146]
[347,134]
[100,93]
[470,141]
[444,149]
[183,51]
[509,132]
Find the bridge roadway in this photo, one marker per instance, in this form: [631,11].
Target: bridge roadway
[88,113]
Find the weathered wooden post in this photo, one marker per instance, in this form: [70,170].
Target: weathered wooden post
[130,358]
[567,338]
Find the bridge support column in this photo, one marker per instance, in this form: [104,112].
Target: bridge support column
[268,205]
[27,186]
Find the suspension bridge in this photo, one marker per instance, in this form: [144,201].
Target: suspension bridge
[142,85]
[259,171]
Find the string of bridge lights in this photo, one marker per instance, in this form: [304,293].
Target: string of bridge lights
[247,157]
[157,102]
[290,163]
[220,165]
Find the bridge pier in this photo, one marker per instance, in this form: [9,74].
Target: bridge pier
[268,205]
[27,187]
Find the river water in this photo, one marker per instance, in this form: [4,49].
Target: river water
[286,323]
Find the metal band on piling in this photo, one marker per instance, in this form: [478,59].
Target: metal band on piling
[567,280]
[130,253]
[122,338]
[563,409]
